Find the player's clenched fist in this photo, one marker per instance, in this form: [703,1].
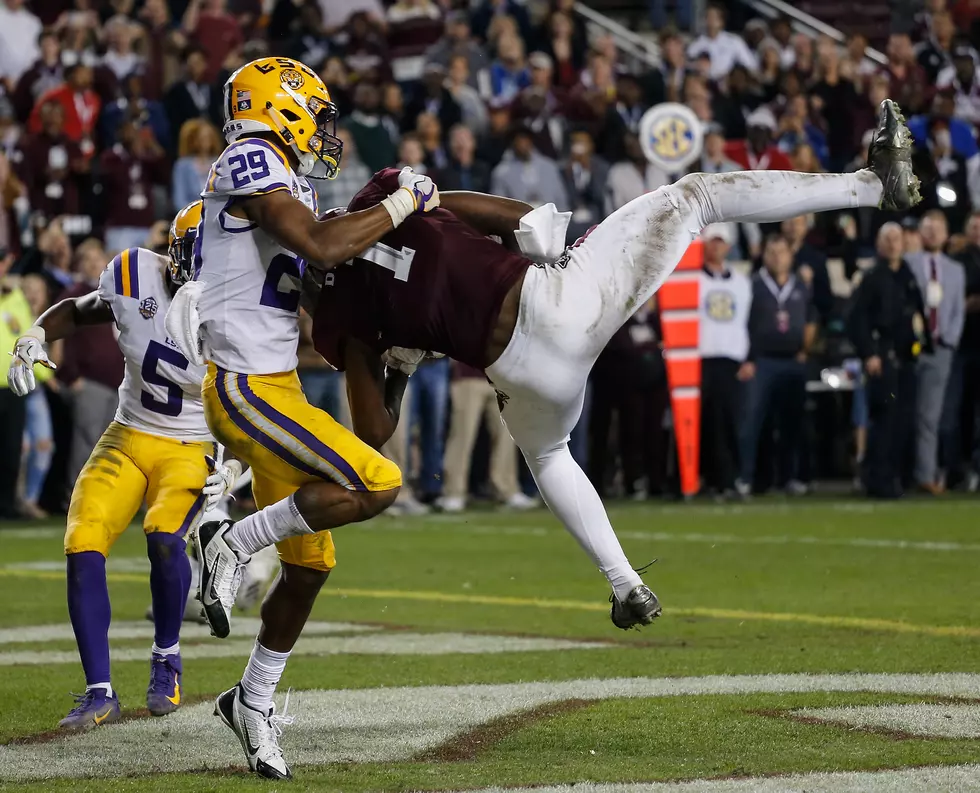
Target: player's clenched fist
[28,350]
[416,193]
[423,189]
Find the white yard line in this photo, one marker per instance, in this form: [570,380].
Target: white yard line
[396,724]
[930,719]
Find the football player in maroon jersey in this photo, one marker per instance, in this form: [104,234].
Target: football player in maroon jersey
[439,283]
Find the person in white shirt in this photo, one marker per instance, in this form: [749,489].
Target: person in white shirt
[19,32]
[725,297]
[723,48]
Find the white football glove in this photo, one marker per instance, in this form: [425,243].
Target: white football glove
[220,482]
[28,350]
[416,193]
[404,360]
[184,322]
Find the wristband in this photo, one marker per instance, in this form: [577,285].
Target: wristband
[34,332]
[400,205]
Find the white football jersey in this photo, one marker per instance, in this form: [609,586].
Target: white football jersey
[251,284]
[161,391]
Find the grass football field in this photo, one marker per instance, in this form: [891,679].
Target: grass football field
[805,645]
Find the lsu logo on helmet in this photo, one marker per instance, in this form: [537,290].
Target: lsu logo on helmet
[671,136]
[288,99]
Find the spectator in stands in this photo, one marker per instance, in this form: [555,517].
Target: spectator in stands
[159,40]
[365,50]
[197,149]
[934,54]
[411,153]
[413,26]
[673,67]
[527,175]
[15,318]
[434,98]
[497,140]
[886,328]
[81,107]
[309,42]
[782,327]
[713,159]
[804,57]
[950,190]
[193,96]
[854,64]
[335,75]
[19,46]
[682,17]
[963,77]
[459,43]
[509,73]
[585,174]
[365,124]
[540,109]
[53,260]
[134,104]
[809,263]
[46,73]
[942,283]
[129,170]
[473,399]
[464,171]
[724,49]
[13,201]
[429,132]
[208,23]
[51,165]
[471,105]
[723,316]
[120,34]
[757,151]
[38,432]
[770,68]
[963,392]
[337,13]
[796,128]
[393,109]
[354,174]
[907,81]
[561,42]
[623,116]
[92,366]
[632,176]
[488,11]
[834,96]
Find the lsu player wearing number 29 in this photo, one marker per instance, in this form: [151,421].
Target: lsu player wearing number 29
[154,450]
[259,234]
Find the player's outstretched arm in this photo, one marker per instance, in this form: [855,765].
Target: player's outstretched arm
[336,239]
[57,322]
[488,214]
[374,393]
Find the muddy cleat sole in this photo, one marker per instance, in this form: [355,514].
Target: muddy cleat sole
[890,159]
[641,607]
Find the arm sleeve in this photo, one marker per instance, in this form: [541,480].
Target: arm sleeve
[247,168]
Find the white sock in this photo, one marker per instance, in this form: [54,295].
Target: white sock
[265,668]
[266,527]
[175,650]
[570,495]
[106,686]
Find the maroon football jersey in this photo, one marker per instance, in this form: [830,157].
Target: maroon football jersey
[431,284]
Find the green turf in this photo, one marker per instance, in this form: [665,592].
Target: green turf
[782,562]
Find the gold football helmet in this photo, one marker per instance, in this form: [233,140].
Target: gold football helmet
[183,235]
[288,99]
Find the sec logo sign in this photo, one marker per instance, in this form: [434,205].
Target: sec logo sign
[671,136]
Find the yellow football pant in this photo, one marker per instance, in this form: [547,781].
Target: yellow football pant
[266,421]
[125,467]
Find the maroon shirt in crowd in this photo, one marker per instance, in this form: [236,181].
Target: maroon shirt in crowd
[446,298]
[127,183]
[219,34]
[91,352]
[48,169]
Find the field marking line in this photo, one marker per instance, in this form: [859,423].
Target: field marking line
[398,723]
[827,621]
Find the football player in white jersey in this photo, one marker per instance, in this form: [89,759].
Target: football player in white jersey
[155,450]
[259,233]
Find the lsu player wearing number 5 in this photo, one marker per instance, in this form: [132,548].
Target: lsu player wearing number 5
[259,234]
[154,450]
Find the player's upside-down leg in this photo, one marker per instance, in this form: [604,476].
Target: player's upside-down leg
[310,475]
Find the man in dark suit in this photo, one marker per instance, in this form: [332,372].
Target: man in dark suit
[194,96]
[465,172]
[585,174]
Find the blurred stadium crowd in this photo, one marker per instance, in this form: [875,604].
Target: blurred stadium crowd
[110,116]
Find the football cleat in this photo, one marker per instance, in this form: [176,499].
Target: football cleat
[92,709]
[163,693]
[890,158]
[641,607]
[258,732]
[221,574]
